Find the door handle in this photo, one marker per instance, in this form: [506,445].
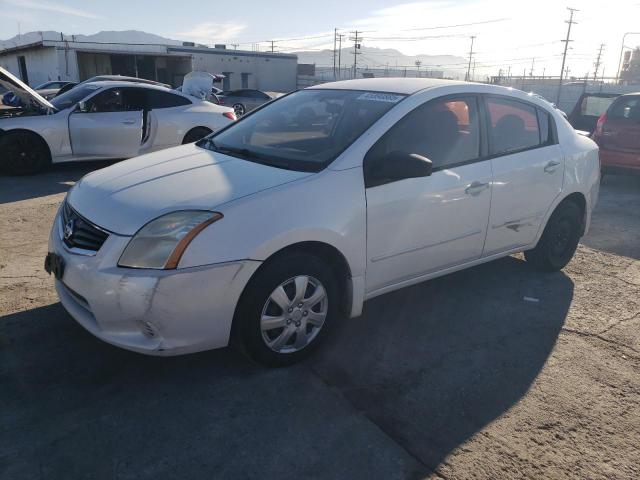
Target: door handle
[475,188]
[551,166]
[129,122]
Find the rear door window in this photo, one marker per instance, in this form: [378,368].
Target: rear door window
[513,126]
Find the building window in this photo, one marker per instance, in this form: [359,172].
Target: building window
[22,65]
[245,80]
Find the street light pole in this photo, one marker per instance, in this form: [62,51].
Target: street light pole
[621,52]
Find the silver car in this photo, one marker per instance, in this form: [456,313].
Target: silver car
[245,100]
[98,121]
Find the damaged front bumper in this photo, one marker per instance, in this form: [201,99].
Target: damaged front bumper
[156,312]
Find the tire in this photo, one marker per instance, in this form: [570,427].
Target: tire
[196,134]
[239,109]
[294,331]
[559,240]
[23,153]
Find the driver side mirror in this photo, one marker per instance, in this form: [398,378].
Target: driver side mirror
[82,107]
[394,166]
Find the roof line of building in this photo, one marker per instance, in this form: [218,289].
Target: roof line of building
[169,48]
[237,53]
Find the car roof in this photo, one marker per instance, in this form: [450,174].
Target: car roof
[114,83]
[405,86]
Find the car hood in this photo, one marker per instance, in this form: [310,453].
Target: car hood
[125,196]
[29,98]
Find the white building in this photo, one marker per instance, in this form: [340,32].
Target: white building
[45,60]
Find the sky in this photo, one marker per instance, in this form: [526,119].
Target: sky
[508,32]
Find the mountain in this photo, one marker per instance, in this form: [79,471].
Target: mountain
[125,36]
[377,58]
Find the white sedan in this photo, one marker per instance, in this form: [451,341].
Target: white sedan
[275,228]
[99,120]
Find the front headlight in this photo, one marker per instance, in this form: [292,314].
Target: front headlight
[161,242]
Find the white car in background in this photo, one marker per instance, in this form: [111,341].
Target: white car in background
[99,120]
[276,227]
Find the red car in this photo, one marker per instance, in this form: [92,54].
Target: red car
[618,135]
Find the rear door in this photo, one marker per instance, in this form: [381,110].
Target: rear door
[109,125]
[621,131]
[528,171]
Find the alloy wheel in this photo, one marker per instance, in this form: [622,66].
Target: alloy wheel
[294,314]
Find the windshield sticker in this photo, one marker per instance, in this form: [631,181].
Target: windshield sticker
[381,97]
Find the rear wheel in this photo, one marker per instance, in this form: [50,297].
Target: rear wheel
[239,109]
[23,153]
[559,240]
[196,134]
[287,309]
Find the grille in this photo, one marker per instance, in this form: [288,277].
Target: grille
[83,233]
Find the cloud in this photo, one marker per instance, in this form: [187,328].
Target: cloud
[209,32]
[50,7]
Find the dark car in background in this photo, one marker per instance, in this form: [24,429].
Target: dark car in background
[245,100]
[50,89]
[589,108]
[617,133]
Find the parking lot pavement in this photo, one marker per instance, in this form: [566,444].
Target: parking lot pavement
[459,377]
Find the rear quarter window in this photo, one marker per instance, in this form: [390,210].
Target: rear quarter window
[158,99]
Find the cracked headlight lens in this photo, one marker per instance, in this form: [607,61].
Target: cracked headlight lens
[161,242]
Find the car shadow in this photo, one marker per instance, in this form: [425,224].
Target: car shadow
[615,223]
[433,364]
[389,396]
[57,179]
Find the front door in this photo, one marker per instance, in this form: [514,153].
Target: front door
[528,172]
[110,124]
[418,226]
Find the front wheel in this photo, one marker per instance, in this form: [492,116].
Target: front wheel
[287,309]
[559,240]
[23,153]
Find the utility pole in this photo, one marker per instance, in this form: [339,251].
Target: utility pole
[566,46]
[335,34]
[235,45]
[473,70]
[340,55]
[533,62]
[271,42]
[356,47]
[418,63]
[470,56]
[598,63]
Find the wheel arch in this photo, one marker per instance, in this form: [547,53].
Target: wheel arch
[581,201]
[326,252]
[576,197]
[7,132]
[195,128]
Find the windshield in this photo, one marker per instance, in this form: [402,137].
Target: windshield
[303,131]
[73,96]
